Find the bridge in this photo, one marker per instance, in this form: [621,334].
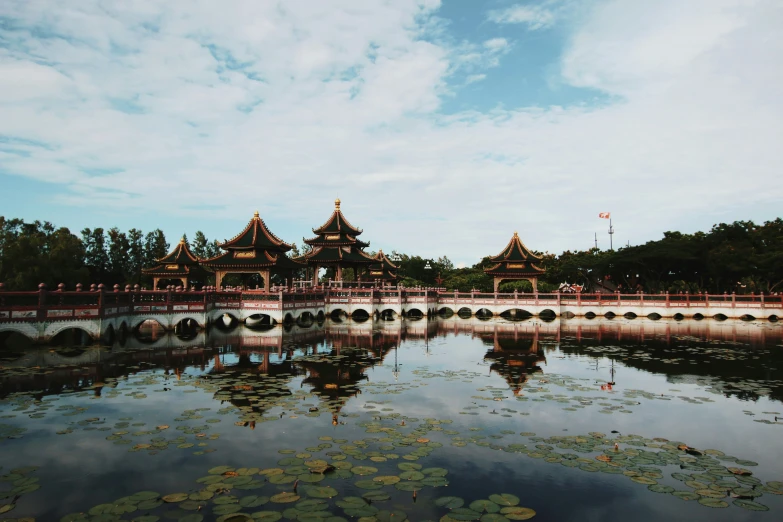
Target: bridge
[100,314]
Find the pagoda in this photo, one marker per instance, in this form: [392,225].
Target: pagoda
[336,245]
[255,250]
[515,263]
[383,269]
[179,265]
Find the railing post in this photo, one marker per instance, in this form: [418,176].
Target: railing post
[667,299]
[41,301]
[733,299]
[761,298]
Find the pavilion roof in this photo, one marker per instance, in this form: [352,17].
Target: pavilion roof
[515,251]
[252,260]
[337,224]
[174,270]
[342,255]
[336,239]
[383,268]
[515,261]
[256,236]
[181,255]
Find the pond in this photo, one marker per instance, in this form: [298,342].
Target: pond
[446,419]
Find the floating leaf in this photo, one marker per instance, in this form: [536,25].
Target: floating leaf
[482,506]
[284,498]
[504,499]
[518,513]
[713,502]
[750,505]
[175,497]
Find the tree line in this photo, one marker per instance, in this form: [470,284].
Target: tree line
[739,257]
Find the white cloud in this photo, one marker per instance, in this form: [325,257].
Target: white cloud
[473,78]
[152,109]
[534,16]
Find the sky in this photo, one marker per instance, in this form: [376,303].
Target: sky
[442,125]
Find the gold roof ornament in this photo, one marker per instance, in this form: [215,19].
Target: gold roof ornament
[182,240]
[337,204]
[256,215]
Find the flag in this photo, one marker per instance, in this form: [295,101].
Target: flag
[604,215]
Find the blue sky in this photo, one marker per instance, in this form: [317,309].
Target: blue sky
[443,126]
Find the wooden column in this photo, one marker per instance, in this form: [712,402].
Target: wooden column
[218,279]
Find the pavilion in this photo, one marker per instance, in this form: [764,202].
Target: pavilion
[255,250]
[383,269]
[516,262]
[336,245]
[179,265]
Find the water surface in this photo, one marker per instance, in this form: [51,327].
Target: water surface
[405,413]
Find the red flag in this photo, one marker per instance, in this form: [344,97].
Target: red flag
[604,215]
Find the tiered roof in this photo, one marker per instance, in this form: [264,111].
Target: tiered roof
[516,260]
[336,242]
[383,269]
[255,248]
[180,262]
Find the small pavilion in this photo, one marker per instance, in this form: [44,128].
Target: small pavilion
[336,245]
[255,250]
[516,262]
[383,270]
[179,265]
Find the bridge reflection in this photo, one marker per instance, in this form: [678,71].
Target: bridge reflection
[332,359]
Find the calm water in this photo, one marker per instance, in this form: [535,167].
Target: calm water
[301,424]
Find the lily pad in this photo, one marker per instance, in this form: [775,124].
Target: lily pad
[483,506]
[518,513]
[504,499]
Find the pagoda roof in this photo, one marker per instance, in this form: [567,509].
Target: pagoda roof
[181,255]
[256,236]
[515,251]
[174,270]
[335,240]
[516,260]
[343,254]
[252,260]
[384,261]
[337,223]
[383,268]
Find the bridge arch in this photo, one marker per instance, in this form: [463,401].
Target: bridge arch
[262,321]
[514,314]
[414,313]
[446,311]
[465,312]
[388,314]
[484,313]
[138,321]
[9,331]
[360,315]
[720,317]
[547,314]
[71,335]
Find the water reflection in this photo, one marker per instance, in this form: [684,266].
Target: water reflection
[502,406]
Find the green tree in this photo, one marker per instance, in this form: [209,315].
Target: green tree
[135,255]
[119,257]
[155,247]
[96,259]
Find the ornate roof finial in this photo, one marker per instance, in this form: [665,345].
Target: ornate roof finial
[337,204]
[182,240]
[515,234]
[255,215]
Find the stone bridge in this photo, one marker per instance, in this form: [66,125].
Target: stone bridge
[98,314]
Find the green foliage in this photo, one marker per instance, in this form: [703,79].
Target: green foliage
[33,253]
[741,256]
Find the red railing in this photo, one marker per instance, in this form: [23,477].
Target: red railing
[60,303]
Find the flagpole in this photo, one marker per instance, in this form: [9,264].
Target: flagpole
[611,232]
